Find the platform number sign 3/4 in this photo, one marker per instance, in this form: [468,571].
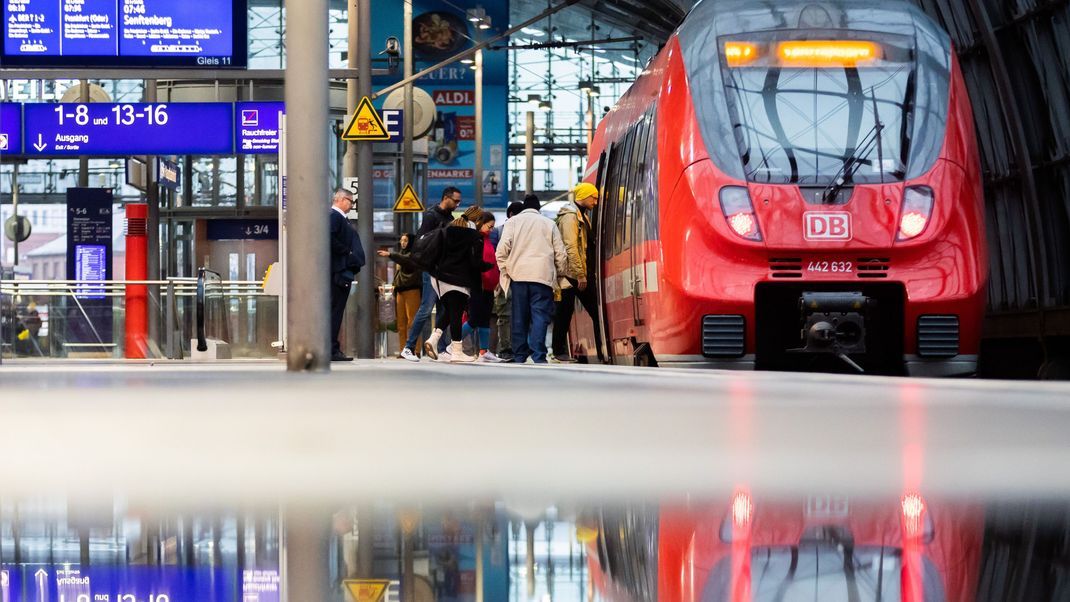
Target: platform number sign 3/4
[827,225]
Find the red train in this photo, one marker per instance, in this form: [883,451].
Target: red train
[791,185]
[820,549]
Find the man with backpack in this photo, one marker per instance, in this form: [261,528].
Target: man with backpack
[435,218]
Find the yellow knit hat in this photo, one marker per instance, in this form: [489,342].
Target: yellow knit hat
[585,190]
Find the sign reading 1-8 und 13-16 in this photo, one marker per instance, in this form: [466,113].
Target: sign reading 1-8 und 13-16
[210,128]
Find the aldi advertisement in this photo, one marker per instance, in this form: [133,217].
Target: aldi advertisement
[441,30]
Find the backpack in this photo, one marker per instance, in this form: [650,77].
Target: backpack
[428,250]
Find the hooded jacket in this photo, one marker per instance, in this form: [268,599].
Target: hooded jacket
[409,275]
[575,232]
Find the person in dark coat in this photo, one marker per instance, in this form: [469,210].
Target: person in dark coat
[457,275]
[408,284]
[347,258]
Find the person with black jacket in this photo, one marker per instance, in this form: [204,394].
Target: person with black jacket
[435,217]
[458,273]
[408,284]
[347,258]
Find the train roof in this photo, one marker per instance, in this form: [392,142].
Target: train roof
[737,16]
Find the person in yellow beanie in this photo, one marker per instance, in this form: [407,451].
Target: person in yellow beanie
[575,226]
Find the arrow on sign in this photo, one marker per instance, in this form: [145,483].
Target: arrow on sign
[40,144]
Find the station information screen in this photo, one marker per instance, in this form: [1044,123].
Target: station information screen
[125,33]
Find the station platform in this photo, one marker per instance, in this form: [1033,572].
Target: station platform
[250,431]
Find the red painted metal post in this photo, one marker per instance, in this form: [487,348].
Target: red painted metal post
[137,268]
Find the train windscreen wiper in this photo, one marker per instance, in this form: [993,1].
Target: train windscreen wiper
[855,162]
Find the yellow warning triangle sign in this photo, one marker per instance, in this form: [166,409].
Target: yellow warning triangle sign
[408,202]
[366,590]
[365,124]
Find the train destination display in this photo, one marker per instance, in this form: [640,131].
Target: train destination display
[136,33]
[129,129]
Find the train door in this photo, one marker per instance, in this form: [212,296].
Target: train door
[599,243]
[632,210]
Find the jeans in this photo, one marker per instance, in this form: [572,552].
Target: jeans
[533,311]
[428,299]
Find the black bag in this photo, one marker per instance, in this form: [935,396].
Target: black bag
[428,250]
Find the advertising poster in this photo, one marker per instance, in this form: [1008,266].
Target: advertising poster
[440,30]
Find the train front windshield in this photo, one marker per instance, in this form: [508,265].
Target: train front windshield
[810,107]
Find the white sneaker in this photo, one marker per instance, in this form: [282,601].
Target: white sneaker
[407,354]
[431,344]
[444,356]
[457,354]
[490,358]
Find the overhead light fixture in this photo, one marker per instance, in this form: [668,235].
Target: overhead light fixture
[468,61]
[546,106]
[595,91]
[586,85]
[531,31]
[477,14]
[484,23]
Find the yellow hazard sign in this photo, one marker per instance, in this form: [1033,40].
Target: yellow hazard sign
[366,590]
[408,202]
[366,124]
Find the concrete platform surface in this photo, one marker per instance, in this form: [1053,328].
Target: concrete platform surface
[251,432]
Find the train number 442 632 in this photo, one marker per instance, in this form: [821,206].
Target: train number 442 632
[833,267]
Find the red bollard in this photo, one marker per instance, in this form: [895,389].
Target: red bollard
[137,268]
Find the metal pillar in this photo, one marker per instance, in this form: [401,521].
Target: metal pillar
[83,161]
[529,155]
[306,102]
[405,220]
[479,129]
[152,198]
[481,533]
[306,537]
[366,314]
[15,206]
[529,526]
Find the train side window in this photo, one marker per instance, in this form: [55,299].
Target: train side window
[635,185]
[642,177]
[609,201]
[650,225]
[622,191]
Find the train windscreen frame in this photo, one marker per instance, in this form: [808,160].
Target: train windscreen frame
[845,109]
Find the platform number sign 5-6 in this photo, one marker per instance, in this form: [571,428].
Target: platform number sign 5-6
[827,225]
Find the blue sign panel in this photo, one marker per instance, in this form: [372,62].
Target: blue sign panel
[243,229]
[135,584]
[257,127]
[89,256]
[10,128]
[107,129]
[168,174]
[181,33]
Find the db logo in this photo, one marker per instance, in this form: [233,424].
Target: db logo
[819,225]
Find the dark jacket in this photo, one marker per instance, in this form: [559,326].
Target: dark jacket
[435,217]
[409,275]
[462,261]
[347,254]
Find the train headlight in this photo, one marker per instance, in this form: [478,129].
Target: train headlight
[917,209]
[739,212]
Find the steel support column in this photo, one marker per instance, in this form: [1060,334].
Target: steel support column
[366,314]
[307,174]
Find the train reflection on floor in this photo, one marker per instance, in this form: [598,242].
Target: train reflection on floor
[818,548]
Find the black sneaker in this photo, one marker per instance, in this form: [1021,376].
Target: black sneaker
[505,355]
[339,357]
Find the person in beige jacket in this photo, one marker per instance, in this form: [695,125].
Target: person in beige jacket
[575,229]
[531,257]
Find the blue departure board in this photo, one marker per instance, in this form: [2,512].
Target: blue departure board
[133,33]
